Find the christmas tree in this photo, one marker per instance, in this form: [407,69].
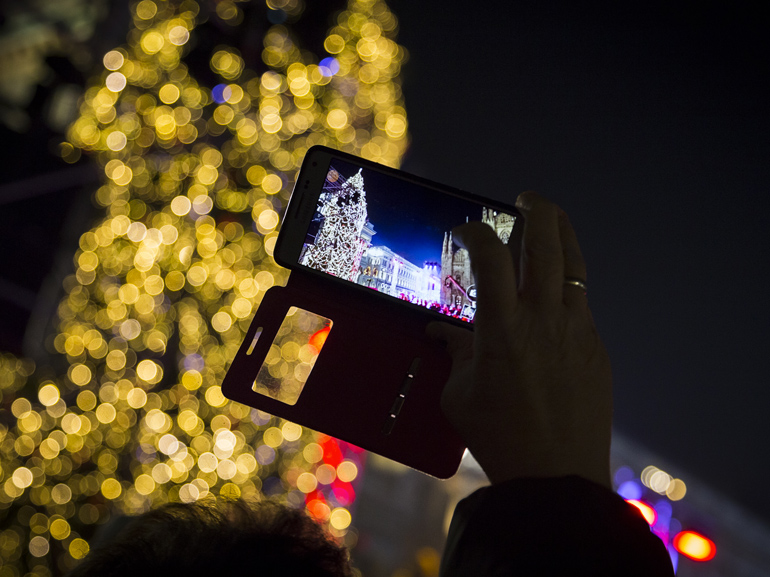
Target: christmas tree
[197,171]
[338,247]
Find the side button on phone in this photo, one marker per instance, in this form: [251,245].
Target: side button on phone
[414,367]
[398,402]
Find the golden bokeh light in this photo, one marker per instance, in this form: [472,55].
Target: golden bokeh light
[663,483]
[340,518]
[676,490]
[347,471]
[163,286]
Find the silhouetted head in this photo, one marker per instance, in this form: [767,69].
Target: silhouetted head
[231,538]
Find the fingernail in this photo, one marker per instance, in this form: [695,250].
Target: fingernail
[524,200]
[458,234]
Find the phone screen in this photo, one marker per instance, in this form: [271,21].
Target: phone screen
[394,236]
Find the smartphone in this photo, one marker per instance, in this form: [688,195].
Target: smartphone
[387,232]
[312,353]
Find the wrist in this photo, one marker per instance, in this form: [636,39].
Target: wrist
[526,465]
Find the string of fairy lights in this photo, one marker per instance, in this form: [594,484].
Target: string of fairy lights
[338,246]
[164,285]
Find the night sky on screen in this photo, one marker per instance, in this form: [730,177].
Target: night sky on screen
[648,123]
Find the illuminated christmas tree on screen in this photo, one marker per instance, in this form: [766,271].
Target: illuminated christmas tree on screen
[196,177]
[338,246]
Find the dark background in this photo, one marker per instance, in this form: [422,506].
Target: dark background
[648,123]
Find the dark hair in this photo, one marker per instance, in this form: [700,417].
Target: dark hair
[230,538]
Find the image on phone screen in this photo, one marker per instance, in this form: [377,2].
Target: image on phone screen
[394,236]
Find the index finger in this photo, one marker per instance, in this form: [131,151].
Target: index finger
[542,260]
[574,265]
[493,273]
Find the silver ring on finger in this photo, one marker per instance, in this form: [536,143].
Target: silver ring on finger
[581,284]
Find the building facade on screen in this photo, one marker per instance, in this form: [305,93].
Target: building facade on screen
[458,289]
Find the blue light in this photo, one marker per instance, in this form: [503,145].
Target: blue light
[329,66]
[664,510]
[661,527]
[630,490]
[218,93]
[193,362]
[674,554]
[622,475]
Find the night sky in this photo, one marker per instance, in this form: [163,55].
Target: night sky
[648,123]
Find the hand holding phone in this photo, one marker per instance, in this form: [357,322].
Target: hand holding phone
[342,348]
[530,388]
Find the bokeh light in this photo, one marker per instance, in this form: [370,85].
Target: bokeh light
[649,513]
[663,483]
[676,490]
[695,546]
[195,180]
[630,490]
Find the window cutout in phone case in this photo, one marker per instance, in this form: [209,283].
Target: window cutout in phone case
[292,355]
[253,344]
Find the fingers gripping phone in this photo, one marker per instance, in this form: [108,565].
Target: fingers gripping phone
[385,231]
[342,348]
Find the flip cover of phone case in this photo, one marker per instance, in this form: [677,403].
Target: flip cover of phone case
[351,366]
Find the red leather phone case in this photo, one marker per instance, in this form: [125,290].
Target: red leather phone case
[376,382]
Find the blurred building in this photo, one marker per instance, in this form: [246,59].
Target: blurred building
[402,516]
[688,504]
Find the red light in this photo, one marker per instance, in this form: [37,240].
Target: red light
[332,452]
[318,338]
[318,509]
[648,512]
[315,495]
[343,492]
[695,546]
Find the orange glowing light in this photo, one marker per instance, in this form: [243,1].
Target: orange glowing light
[318,509]
[648,512]
[695,546]
[318,338]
